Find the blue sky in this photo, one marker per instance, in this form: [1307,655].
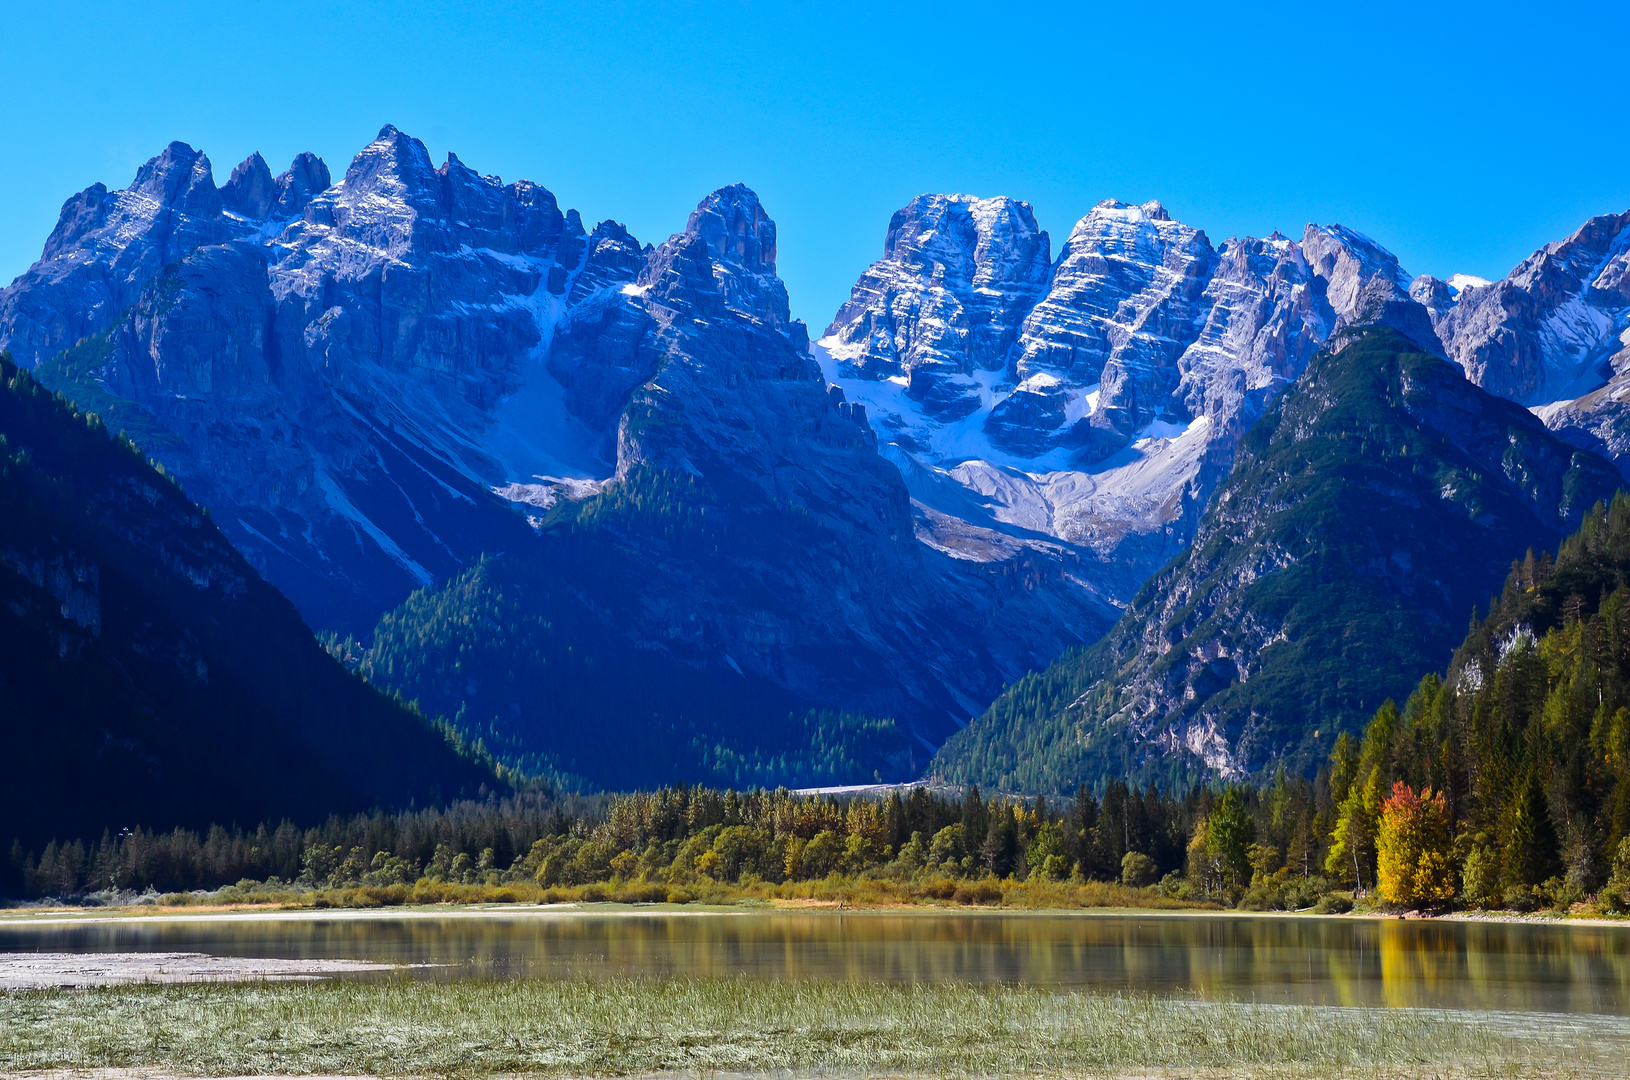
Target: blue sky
[1461,136]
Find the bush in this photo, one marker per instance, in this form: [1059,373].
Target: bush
[1138,870]
[1333,904]
[1522,898]
[977,892]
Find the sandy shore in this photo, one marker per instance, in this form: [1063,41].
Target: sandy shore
[76,971]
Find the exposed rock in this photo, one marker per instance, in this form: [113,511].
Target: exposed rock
[104,250]
[1117,408]
[306,178]
[1553,328]
[250,192]
[1379,499]
[957,276]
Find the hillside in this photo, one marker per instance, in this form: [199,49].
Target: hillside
[149,676]
[513,655]
[1373,506]
[1526,733]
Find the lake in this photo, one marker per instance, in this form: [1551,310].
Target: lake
[1291,960]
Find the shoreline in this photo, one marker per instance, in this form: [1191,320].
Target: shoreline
[72,916]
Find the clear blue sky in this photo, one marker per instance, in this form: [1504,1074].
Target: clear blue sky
[1462,136]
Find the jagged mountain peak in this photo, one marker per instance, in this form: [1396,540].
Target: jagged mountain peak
[733,224]
[179,177]
[394,163]
[1153,210]
[943,306]
[1553,329]
[964,238]
[306,178]
[251,190]
[723,263]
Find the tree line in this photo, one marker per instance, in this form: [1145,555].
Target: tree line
[1503,782]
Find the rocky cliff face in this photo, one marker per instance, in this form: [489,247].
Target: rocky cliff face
[1115,408]
[372,381]
[1551,330]
[1554,334]
[1378,500]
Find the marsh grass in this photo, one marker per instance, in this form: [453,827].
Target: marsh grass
[622,1026]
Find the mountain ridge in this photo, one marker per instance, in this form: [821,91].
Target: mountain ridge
[1375,504]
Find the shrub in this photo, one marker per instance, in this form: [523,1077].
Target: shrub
[1521,898]
[1333,904]
[1138,870]
[977,892]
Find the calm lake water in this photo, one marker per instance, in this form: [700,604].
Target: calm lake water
[1544,968]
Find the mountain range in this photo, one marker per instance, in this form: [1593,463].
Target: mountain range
[1375,506]
[374,382]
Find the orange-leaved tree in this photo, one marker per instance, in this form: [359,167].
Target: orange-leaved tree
[1412,848]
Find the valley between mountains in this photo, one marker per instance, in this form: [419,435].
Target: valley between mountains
[568,503]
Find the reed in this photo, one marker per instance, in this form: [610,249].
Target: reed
[619,1026]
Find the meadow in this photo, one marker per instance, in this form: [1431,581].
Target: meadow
[694,1026]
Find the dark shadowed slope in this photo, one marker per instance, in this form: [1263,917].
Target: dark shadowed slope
[149,676]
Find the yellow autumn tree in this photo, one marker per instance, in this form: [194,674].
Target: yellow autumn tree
[1412,848]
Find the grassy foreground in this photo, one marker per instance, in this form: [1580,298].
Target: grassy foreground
[641,1025]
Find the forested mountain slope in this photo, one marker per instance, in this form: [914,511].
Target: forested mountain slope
[1375,503]
[149,676]
[1526,734]
[511,652]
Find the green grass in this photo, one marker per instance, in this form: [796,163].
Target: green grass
[623,1026]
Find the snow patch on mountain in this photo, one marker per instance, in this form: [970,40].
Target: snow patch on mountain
[1459,283]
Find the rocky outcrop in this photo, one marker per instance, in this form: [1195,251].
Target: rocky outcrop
[1116,408]
[946,300]
[1553,328]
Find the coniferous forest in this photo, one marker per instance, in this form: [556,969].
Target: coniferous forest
[1499,783]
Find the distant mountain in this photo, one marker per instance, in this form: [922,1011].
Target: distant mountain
[1551,330]
[1095,399]
[752,551]
[375,382]
[1554,334]
[149,676]
[1374,504]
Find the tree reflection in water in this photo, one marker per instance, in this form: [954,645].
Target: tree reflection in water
[1294,960]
